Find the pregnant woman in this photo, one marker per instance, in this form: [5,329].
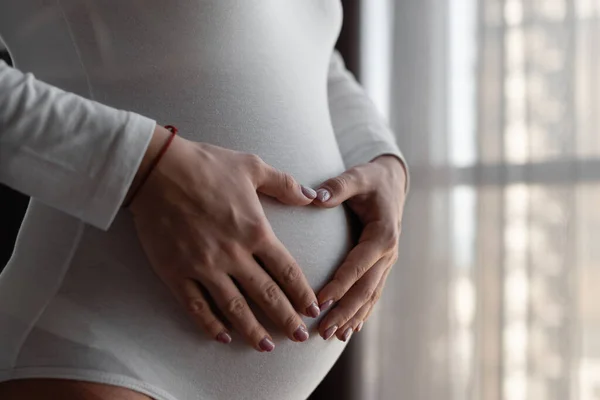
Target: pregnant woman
[224,276]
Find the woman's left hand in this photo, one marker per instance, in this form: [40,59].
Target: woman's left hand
[375,192]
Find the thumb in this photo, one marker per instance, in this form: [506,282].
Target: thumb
[284,187]
[335,191]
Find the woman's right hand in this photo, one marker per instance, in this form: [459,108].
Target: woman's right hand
[200,222]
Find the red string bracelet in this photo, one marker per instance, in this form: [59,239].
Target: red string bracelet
[154,163]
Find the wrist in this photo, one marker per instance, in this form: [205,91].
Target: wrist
[159,137]
[395,167]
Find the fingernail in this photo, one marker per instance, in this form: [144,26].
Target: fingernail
[359,327]
[347,334]
[308,192]
[301,334]
[266,344]
[224,338]
[323,195]
[330,331]
[326,305]
[313,310]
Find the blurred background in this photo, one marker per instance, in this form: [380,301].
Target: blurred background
[496,104]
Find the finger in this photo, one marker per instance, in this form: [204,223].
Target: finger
[363,292]
[360,259]
[335,191]
[354,324]
[269,296]
[286,271]
[282,186]
[189,295]
[232,303]
[358,321]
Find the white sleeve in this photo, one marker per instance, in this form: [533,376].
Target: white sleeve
[362,133]
[71,153]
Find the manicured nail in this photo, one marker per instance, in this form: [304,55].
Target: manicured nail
[359,327]
[224,338]
[301,334]
[266,344]
[330,331]
[308,192]
[313,310]
[326,305]
[323,195]
[347,334]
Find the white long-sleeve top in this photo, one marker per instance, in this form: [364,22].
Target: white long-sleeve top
[71,153]
[78,299]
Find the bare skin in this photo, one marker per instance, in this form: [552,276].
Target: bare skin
[376,193]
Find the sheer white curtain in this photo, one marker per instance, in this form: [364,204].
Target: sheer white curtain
[497,292]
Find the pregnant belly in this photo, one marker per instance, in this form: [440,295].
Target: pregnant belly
[112,312]
[122,317]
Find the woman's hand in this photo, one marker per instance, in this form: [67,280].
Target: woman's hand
[200,222]
[376,193]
